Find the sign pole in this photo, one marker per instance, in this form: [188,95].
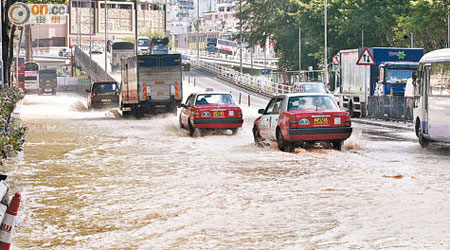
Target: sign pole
[1,49]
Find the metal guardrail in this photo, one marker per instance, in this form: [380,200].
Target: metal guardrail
[255,84]
[257,62]
[396,108]
[91,67]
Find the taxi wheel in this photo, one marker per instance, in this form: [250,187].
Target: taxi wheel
[194,132]
[234,131]
[256,135]
[284,145]
[337,145]
[181,124]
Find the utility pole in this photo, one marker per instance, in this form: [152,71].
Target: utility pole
[299,51]
[136,26]
[2,83]
[240,36]
[106,40]
[79,23]
[90,30]
[412,40]
[198,29]
[448,27]
[362,39]
[325,47]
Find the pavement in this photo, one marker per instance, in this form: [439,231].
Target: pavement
[401,125]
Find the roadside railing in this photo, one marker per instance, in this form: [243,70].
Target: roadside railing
[260,85]
[260,62]
[396,108]
[91,67]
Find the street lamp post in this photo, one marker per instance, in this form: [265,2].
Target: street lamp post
[240,36]
[136,26]
[299,51]
[325,59]
[106,40]
[90,29]
[198,29]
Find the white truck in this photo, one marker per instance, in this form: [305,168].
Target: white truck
[151,84]
[354,82]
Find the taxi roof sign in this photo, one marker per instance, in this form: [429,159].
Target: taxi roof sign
[366,58]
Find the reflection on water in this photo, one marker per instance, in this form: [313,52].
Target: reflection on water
[92,181]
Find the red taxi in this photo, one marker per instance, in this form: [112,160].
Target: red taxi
[295,119]
[210,110]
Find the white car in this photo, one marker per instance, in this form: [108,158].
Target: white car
[64,52]
[309,87]
[95,48]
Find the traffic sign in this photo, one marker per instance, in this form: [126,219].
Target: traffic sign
[336,59]
[366,58]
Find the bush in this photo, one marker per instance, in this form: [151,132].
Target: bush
[11,137]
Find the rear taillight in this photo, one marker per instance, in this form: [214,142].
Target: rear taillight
[196,115]
[348,122]
[239,114]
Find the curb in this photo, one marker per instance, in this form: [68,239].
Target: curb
[382,124]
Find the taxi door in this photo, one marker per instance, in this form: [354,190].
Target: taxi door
[268,118]
[186,112]
[276,111]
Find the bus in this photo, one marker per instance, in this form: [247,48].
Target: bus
[19,72]
[118,50]
[432,98]
[222,46]
[143,45]
[31,77]
[159,46]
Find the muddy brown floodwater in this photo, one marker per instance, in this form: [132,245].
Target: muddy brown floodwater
[92,181]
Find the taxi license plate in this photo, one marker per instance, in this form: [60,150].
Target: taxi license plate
[160,93]
[218,113]
[321,121]
[106,100]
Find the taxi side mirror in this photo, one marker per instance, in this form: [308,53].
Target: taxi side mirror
[260,111]
[184,105]
[88,91]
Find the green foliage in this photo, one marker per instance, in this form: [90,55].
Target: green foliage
[384,22]
[11,138]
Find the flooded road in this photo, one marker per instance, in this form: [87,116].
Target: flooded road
[90,180]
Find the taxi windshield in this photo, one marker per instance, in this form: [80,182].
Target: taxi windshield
[215,99]
[312,102]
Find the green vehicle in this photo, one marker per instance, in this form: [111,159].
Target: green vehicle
[47,81]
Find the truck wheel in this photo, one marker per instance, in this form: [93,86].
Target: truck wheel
[53,92]
[174,109]
[126,114]
[350,110]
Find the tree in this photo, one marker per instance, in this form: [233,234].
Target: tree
[384,22]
